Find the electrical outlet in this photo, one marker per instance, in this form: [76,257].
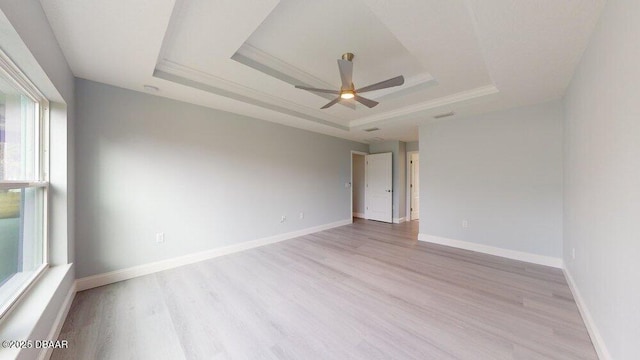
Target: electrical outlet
[159,238]
[573,253]
[283,219]
[301,215]
[465,224]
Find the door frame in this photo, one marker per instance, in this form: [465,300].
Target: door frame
[408,185]
[354,152]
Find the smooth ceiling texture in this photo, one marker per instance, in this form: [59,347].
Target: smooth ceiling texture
[244,56]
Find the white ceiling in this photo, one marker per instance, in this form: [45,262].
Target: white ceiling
[243,56]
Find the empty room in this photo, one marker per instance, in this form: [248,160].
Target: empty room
[300,179]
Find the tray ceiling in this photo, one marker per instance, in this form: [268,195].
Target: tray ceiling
[244,56]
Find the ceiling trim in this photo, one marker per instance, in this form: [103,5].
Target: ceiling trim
[180,74]
[412,84]
[290,73]
[221,92]
[445,100]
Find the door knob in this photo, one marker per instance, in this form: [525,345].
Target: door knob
[388,190]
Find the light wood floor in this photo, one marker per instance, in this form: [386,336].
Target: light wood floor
[362,291]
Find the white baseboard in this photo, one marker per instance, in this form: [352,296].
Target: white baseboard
[596,338]
[398,220]
[145,269]
[45,354]
[492,250]
[358,215]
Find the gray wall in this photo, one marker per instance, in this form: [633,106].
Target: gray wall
[358,184]
[413,146]
[502,172]
[398,148]
[602,179]
[205,178]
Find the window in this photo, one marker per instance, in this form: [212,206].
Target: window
[23,183]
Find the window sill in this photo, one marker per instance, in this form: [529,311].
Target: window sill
[16,286]
[38,312]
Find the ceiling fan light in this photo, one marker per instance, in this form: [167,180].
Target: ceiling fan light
[347,94]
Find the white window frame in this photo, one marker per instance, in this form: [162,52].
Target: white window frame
[18,79]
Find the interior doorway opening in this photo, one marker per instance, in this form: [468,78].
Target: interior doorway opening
[413,185]
[358,184]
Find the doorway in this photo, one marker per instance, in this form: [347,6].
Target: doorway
[413,185]
[357,184]
[379,187]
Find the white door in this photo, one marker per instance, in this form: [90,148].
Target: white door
[379,196]
[415,187]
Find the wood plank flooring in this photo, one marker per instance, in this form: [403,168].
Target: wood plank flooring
[363,291]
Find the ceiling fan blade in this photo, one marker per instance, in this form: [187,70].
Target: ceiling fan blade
[330,104]
[318,90]
[396,81]
[346,73]
[366,102]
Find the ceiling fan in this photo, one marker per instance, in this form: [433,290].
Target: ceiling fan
[347,90]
